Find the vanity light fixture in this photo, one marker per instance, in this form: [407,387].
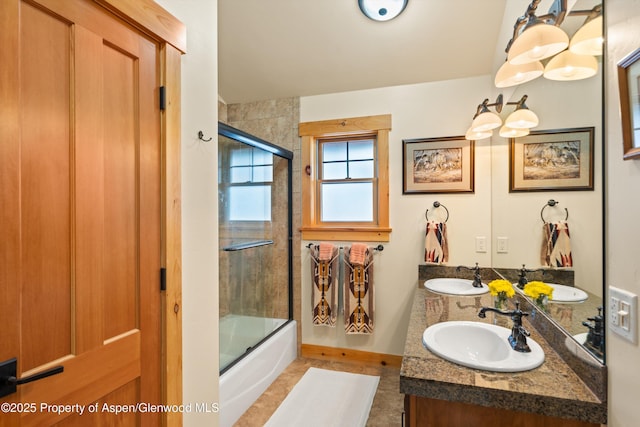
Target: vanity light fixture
[511,75]
[538,41]
[382,10]
[571,66]
[516,125]
[477,136]
[537,38]
[588,39]
[522,117]
[507,132]
[486,120]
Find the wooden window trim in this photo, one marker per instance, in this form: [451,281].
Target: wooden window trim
[310,132]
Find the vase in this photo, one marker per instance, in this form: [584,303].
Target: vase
[541,302]
[500,302]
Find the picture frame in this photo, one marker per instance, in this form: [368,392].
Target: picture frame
[629,86]
[552,160]
[438,165]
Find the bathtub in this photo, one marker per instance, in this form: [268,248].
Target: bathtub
[247,379]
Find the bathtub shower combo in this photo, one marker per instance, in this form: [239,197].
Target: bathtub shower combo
[257,333]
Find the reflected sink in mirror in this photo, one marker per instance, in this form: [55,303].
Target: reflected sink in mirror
[565,294]
[581,338]
[454,286]
[562,293]
[480,346]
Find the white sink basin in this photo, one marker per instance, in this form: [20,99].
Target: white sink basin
[454,286]
[481,346]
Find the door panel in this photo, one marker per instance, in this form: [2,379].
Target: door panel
[81,173]
[121,237]
[44,182]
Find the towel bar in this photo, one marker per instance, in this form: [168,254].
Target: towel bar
[378,248]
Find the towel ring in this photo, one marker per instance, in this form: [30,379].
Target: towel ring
[437,204]
[553,203]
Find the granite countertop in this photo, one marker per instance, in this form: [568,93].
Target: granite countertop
[552,389]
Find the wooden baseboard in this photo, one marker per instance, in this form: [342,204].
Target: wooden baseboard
[347,355]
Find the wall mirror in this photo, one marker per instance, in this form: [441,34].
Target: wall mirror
[518,216]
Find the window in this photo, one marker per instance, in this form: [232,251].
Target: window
[249,185]
[345,179]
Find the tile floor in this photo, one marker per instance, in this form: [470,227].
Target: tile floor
[386,410]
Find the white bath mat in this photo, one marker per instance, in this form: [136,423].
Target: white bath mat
[325,398]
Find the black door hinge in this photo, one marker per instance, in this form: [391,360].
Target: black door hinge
[163,279]
[163,98]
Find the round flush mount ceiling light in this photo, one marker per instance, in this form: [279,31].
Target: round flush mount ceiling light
[382,10]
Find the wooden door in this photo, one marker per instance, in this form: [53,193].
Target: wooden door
[80,245]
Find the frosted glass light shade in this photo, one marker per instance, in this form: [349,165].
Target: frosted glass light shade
[511,75]
[382,10]
[571,66]
[477,136]
[486,121]
[507,132]
[588,39]
[522,119]
[537,42]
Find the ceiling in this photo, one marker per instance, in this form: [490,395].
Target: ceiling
[287,48]
[271,49]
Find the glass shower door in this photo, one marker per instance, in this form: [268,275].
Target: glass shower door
[255,254]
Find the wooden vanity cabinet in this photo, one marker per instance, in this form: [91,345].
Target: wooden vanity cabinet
[426,412]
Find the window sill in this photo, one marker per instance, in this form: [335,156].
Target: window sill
[362,234]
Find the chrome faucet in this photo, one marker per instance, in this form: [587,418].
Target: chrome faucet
[518,337]
[477,280]
[522,276]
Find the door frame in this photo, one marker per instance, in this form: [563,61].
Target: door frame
[171,35]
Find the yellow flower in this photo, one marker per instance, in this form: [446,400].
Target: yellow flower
[535,289]
[498,286]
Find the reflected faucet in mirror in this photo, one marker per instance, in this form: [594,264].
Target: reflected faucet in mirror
[477,280]
[522,276]
[595,336]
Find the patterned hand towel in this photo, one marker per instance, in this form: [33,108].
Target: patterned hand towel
[556,245]
[324,279]
[436,249]
[358,293]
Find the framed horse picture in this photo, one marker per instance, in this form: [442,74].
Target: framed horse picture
[437,165]
[552,160]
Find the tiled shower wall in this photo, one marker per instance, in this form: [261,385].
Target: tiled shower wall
[275,121]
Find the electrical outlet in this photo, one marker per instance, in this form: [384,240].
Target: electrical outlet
[623,313]
[502,245]
[481,244]
[614,306]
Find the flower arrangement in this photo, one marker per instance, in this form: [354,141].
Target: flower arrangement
[540,292]
[501,290]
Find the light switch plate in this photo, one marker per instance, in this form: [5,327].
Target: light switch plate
[623,313]
[481,244]
[502,245]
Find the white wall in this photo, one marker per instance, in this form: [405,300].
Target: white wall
[200,362]
[418,111]
[622,213]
